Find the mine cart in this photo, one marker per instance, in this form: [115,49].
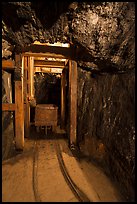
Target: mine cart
[46,115]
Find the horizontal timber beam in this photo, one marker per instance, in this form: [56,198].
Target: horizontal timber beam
[48,70]
[8,107]
[46,55]
[42,63]
[8,64]
[67,52]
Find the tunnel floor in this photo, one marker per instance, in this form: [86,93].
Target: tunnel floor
[18,174]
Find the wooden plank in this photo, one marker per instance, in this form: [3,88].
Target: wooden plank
[73,101]
[63,98]
[46,55]
[26,105]
[50,64]
[19,111]
[47,70]
[25,79]
[26,119]
[65,51]
[8,64]
[28,79]
[8,107]
[32,77]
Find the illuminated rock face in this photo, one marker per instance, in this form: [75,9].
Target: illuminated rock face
[105,29]
[105,33]
[106,126]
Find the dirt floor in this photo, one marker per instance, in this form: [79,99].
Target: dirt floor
[24,180]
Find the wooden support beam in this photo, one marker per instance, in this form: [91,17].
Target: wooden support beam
[28,78]
[26,119]
[47,70]
[32,77]
[8,64]
[19,111]
[54,50]
[26,105]
[46,55]
[50,64]
[25,79]
[19,116]
[73,101]
[63,98]
[8,107]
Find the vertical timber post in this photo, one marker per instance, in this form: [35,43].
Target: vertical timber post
[26,105]
[73,101]
[63,98]
[31,77]
[19,110]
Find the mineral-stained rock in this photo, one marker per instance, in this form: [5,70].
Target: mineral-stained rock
[105,29]
[103,34]
[106,113]
[6,53]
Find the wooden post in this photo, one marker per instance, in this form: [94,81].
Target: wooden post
[32,77]
[19,109]
[26,105]
[63,98]
[73,101]
[8,106]
[28,78]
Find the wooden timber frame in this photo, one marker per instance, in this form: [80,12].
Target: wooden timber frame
[60,53]
[19,104]
[73,102]
[24,89]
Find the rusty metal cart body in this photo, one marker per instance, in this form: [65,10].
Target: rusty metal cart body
[46,115]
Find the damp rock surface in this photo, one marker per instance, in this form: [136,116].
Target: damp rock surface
[103,34]
[106,126]
[105,30]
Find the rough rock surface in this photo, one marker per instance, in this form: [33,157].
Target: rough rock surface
[106,126]
[7,119]
[106,30]
[105,34]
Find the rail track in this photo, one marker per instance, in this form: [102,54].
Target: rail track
[78,193]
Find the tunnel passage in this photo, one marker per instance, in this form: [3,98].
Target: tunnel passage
[47,91]
[105,35]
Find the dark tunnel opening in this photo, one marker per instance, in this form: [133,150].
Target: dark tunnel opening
[102,38]
[47,91]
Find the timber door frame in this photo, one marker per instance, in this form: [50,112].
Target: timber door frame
[72,68]
[22,94]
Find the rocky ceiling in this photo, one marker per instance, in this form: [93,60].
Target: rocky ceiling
[104,31]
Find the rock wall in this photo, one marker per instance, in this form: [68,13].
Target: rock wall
[106,30]
[106,124]
[105,35]
[7,118]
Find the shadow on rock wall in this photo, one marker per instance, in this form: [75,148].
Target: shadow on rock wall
[106,124]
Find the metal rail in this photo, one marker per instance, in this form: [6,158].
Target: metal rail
[79,194]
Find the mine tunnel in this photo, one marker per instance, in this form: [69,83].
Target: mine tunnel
[68,101]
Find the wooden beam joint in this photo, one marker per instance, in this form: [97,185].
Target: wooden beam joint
[8,107]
